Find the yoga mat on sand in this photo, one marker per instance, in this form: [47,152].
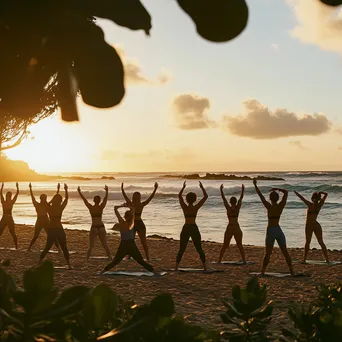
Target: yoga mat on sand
[99,257]
[196,270]
[53,251]
[319,262]
[280,275]
[133,274]
[9,249]
[233,263]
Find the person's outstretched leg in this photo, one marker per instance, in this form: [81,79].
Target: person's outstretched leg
[227,238]
[49,242]
[92,237]
[103,238]
[63,244]
[120,254]
[319,236]
[37,230]
[183,242]
[308,237]
[287,258]
[267,257]
[142,236]
[238,238]
[196,239]
[136,255]
[11,228]
[3,225]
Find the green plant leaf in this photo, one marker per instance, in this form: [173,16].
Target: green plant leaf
[332,2]
[39,279]
[100,306]
[163,305]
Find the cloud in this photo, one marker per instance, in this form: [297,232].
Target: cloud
[318,24]
[190,112]
[260,122]
[297,144]
[134,71]
[339,148]
[338,130]
[275,47]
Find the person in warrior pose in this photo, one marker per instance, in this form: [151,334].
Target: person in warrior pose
[312,226]
[139,225]
[7,218]
[233,228]
[55,231]
[274,232]
[127,245]
[42,216]
[97,228]
[190,228]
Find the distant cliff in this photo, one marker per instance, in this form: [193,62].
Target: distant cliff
[19,171]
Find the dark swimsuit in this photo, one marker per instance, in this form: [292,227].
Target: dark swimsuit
[190,230]
[98,224]
[139,225]
[275,233]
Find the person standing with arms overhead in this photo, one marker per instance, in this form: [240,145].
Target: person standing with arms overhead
[7,218]
[42,215]
[312,226]
[97,227]
[139,226]
[274,232]
[56,232]
[127,245]
[233,228]
[190,228]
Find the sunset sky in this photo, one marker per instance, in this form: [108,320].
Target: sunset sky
[268,100]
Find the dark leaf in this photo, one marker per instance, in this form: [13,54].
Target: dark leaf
[39,279]
[332,2]
[163,305]
[217,20]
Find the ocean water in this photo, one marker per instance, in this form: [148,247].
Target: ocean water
[164,216]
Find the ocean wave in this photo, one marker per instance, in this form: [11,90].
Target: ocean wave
[313,174]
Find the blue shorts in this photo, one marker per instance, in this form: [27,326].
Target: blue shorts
[275,233]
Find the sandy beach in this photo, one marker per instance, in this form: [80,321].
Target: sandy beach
[197,296]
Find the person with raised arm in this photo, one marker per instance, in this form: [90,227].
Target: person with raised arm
[274,232]
[7,218]
[42,221]
[97,227]
[233,228]
[312,226]
[55,231]
[190,228]
[127,245]
[139,225]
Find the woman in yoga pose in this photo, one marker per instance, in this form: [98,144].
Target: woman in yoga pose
[190,228]
[139,225]
[233,228]
[42,215]
[127,245]
[274,232]
[7,218]
[312,226]
[55,231]
[97,228]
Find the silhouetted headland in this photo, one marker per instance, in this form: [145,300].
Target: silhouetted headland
[222,176]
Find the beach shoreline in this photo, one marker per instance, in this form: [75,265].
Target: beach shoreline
[197,296]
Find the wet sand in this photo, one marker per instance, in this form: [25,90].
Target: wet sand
[197,296]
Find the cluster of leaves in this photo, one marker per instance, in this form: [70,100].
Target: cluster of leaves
[249,313]
[53,49]
[39,313]
[321,321]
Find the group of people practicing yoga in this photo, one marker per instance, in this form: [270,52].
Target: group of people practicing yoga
[49,215]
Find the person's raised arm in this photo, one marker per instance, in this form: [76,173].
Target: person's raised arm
[104,202]
[204,198]
[1,193]
[302,198]
[34,201]
[151,196]
[65,202]
[241,195]
[16,194]
[261,196]
[285,195]
[58,187]
[118,215]
[224,197]
[124,195]
[88,205]
[180,196]
[324,197]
